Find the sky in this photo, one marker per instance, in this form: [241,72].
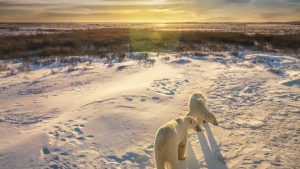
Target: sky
[149,10]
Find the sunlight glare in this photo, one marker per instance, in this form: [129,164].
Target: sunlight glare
[159,1]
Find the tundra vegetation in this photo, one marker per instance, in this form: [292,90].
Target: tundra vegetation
[118,40]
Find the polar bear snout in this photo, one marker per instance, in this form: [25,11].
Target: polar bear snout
[198,128]
[211,118]
[215,121]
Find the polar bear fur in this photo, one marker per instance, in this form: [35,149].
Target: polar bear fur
[171,140]
[198,110]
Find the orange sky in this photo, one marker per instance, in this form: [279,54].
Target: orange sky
[149,10]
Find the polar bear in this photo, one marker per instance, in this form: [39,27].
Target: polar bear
[171,140]
[198,110]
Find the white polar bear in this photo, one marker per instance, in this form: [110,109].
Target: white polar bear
[171,140]
[198,111]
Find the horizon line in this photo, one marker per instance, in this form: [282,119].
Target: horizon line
[1,22]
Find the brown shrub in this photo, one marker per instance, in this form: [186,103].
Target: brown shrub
[3,67]
[97,42]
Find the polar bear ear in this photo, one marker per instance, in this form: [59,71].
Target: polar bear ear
[202,98]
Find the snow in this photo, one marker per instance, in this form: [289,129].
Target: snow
[93,113]
[15,29]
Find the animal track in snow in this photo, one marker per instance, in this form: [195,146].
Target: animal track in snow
[140,98]
[167,86]
[23,118]
[134,159]
[237,92]
[67,157]
[70,133]
[67,148]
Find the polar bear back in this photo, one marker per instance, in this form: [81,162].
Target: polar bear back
[174,129]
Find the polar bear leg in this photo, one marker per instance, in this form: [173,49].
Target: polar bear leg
[182,149]
[200,121]
[159,161]
[172,156]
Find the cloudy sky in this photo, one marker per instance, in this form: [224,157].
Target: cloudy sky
[149,10]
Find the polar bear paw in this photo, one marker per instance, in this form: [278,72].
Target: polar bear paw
[181,158]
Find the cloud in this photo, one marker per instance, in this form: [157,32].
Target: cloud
[238,1]
[150,10]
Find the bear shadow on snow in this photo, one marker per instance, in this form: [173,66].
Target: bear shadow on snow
[211,151]
[191,161]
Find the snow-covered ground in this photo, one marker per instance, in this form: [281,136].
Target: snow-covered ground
[15,29]
[104,114]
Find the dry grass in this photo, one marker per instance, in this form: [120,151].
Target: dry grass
[100,42]
[24,67]
[3,67]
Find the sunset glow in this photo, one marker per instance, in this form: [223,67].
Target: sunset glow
[149,11]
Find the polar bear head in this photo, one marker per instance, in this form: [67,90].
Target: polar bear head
[191,123]
[198,96]
[208,115]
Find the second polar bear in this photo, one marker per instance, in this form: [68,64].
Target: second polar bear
[171,140]
[198,110]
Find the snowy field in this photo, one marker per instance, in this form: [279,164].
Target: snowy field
[86,112]
[8,29]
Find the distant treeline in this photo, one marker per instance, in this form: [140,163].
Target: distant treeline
[97,42]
